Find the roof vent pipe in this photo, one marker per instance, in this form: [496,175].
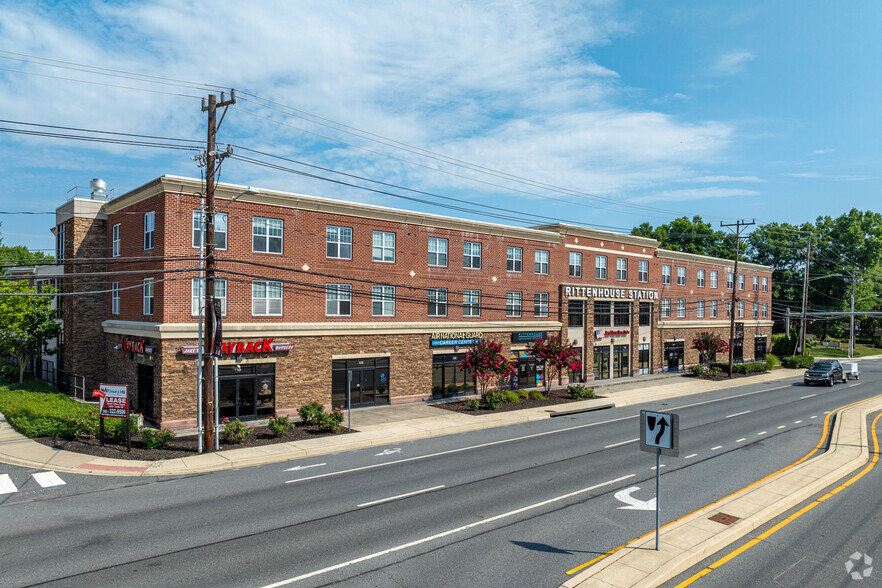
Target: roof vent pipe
[99,189]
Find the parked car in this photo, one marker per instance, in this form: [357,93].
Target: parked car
[826,372]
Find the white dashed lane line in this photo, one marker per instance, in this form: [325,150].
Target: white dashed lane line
[740,440]
[48,479]
[621,443]
[782,426]
[6,484]
[690,455]
[796,422]
[717,447]
[737,414]
[761,433]
[809,396]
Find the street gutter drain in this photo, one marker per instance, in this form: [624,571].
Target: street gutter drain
[723,518]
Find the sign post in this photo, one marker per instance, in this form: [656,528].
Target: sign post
[659,433]
[113,402]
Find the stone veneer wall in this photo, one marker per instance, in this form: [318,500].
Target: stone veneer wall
[692,357]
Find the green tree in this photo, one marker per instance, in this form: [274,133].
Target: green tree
[558,355]
[27,322]
[688,236]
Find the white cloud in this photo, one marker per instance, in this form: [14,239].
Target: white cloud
[697,194]
[822,176]
[713,179]
[731,63]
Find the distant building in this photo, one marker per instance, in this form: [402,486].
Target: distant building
[314,288]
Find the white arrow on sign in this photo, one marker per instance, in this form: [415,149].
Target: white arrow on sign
[390,451]
[298,468]
[634,503]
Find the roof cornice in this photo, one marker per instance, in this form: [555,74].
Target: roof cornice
[565,229]
[707,259]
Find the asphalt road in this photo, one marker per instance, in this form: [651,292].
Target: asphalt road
[514,506]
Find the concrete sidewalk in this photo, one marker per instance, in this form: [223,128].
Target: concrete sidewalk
[375,427]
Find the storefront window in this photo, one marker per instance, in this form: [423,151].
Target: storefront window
[369,383]
[247,391]
[447,380]
[601,363]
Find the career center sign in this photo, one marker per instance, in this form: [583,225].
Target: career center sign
[460,338]
[622,293]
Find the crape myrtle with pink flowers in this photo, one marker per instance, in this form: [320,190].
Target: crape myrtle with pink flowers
[487,363]
[558,355]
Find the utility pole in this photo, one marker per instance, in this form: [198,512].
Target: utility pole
[208,370]
[805,281]
[851,340]
[738,226]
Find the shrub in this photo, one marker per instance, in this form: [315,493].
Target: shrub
[580,391]
[235,431]
[510,397]
[35,409]
[8,371]
[279,425]
[714,371]
[772,360]
[491,399]
[474,404]
[695,370]
[536,395]
[330,421]
[115,429]
[311,413]
[156,438]
[797,361]
[523,393]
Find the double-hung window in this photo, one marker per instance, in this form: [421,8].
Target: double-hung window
[540,304]
[514,259]
[713,279]
[665,307]
[383,246]
[765,284]
[148,295]
[681,276]
[149,230]
[765,310]
[681,308]
[741,281]
[643,271]
[338,299]
[197,296]
[338,242]
[740,309]
[513,304]
[756,283]
[438,302]
[471,303]
[700,278]
[699,309]
[600,267]
[575,264]
[383,300]
[220,229]
[116,240]
[541,259]
[621,269]
[666,274]
[729,309]
[713,309]
[114,298]
[266,298]
[730,280]
[756,310]
[437,251]
[266,235]
[471,255]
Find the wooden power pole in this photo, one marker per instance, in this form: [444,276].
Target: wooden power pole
[738,226]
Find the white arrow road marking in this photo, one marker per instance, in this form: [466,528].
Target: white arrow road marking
[6,485]
[390,451]
[391,498]
[48,479]
[634,503]
[298,468]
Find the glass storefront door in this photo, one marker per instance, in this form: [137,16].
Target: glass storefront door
[621,361]
[601,363]
[759,348]
[447,379]
[246,391]
[369,385]
[643,358]
[674,354]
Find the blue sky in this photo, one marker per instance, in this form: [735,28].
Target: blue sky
[599,113]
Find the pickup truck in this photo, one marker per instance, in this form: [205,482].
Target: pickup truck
[825,372]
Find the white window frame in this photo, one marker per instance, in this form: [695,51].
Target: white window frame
[471,303]
[540,304]
[437,251]
[513,304]
[699,309]
[514,259]
[383,247]
[622,269]
[728,309]
[338,241]
[741,281]
[471,255]
[383,299]
[765,284]
[575,264]
[740,309]
[713,279]
[765,310]
[266,228]
[437,302]
[713,309]
[267,301]
[338,299]
[600,267]
[681,275]
[221,224]
[755,281]
[114,298]
[197,294]
[149,230]
[643,271]
[116,240]
[666,274]
[699,278]
[149,296]
[665,307]
[730,280]
[681,308]
[540,258]
[755,310]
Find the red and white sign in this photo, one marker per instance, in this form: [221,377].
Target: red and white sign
[244,347]
[598,334]
[113,401]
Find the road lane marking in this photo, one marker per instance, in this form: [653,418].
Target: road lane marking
[621,443]
[634,503]
[782,426]
[447,533]
[653,467]
[48,479]
[737,414]
[814,417]
[6,484]
[306,467]
[762,433]
[740,440]
[728,397]
[796,422]
[717,447]
[791,518]
[389,451]
[809,396]
[391,498]
[691,455]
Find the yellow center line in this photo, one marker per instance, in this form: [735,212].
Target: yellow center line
[773,474]
[792,517]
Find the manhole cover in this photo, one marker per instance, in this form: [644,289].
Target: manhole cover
[723,518]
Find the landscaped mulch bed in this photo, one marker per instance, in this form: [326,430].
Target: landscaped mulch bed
[179,446]
[554,397]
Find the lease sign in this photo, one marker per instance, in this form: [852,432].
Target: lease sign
[113,401]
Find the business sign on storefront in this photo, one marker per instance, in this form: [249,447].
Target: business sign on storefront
[244,347]
[455,338]
[113,401]
[136,346]
[526,336]
[600,334]
[621,293]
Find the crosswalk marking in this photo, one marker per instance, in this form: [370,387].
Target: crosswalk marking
[6,485]
[48,479]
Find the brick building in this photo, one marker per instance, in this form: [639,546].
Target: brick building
[314,288]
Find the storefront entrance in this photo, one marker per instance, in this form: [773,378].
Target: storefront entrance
[674,354]
[447,380]
[145,392]
[621,361]
[246,391]
[601,363]
[643,358]
[759,348]
[369,385]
